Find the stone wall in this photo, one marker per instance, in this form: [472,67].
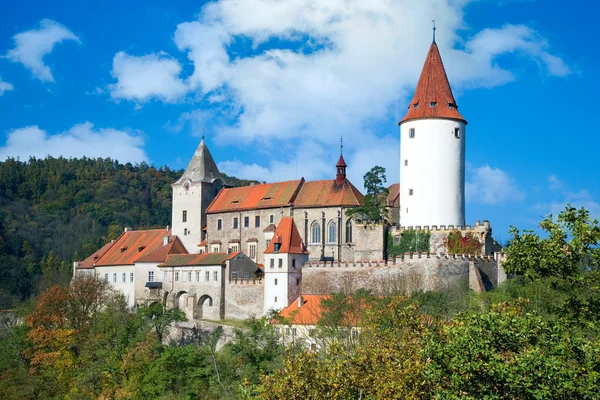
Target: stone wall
[404,275]
[244,298]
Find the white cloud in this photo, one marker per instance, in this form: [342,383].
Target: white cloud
[33,45]
[81,140]
[5,86]
[577,199]
[145,77]
[491,186]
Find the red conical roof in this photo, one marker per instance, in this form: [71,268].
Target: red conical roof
[433,97]
[341,162]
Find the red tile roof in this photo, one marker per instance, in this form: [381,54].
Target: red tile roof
[181,260]
[89,262]
[232,255]
[393,197]
[159,255]
[341,162]
[288,236]
[309,313]
[267,195]
[270,228]
[328,193]
[433,87]
[202,243]
[131,246]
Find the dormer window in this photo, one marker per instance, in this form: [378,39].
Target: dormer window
[142,247]
[277,247]
[451,105]
[123,249]
[416,105]
[433,104]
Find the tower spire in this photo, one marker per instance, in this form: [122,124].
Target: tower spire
[434,28]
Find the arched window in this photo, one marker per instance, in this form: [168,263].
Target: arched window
[349,231]
[331,232]
[315,232]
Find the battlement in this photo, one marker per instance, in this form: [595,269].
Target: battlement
[407,257]
[248,281]
[479,227]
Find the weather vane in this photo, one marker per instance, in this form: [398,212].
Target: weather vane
[433,20]
[341,144]
[203,132]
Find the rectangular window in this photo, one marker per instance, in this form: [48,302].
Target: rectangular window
[124,277]
[234,247]
[275,299]
[165,276]
[297,282]
[433,104]
[411,133]
[268,243]
[410,192]
[219,224]
[246,222]
[272,262]
[275,281]
[105,277]
[457,133]
[257,221]
[115,277]
[252,251]
[189,276]
[293,263]
[197,276]
[184,216]
[271,218]
[233,274]
[405,162]
[293,332]
[176,276]
[235,223]
[150,276]
[281,263]
[207,276]
[131,277]
[246,275]
[216,275]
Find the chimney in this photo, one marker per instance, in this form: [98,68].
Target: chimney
[165,240]
[128,229]
[300,301]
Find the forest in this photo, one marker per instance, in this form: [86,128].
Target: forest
[54,211]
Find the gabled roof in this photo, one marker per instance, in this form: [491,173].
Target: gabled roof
[89,262]
[288,237]
[182,260]
[132,245]
[159,255]
[202,167]
[433,87]
[328,193]
[393,197]
[270,228]
[309,313]
[266,195]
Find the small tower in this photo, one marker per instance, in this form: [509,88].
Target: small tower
[340,176]
[432,151]
[283,266]
[192,193]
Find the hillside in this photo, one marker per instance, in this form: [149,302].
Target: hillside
[55,211]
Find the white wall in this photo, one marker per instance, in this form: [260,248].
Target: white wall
[435,172]
[127,287]
[289,280]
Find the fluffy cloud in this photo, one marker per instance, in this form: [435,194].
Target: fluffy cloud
[489,185]
[141,78]
[5,87]
[33,45]
[577,198]
[80,140]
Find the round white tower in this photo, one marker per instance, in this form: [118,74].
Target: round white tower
[432,152]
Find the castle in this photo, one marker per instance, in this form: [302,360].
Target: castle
[236,252]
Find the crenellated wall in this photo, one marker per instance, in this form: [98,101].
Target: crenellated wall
[244,298]
[408,274]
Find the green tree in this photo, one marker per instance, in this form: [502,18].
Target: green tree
[374,207]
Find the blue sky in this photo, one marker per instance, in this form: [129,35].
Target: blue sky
[275,84]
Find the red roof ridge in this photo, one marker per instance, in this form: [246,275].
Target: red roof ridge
[433,96]
[288,237]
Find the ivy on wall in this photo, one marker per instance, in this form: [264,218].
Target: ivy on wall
[456,243]
[410,241]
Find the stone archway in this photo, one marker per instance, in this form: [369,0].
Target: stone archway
[204,308]
[165,301]
[180,300]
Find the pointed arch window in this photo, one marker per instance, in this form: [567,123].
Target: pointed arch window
[349,231]
[331,232]
[315,230]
